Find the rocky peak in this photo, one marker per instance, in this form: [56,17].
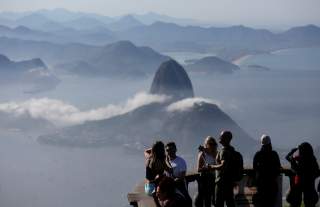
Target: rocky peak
[171,79]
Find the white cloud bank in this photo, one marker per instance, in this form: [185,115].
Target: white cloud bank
[64,114]
[187,104]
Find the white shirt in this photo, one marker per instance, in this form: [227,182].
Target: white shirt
[178,165]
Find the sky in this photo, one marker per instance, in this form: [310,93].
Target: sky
[230,12]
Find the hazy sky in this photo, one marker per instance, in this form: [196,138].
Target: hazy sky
[247,12]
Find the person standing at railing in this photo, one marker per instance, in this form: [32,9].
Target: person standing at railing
[266,165]
[156,165]
[305,165]
[179,169]
[225,171]
[177,163]
[206,183]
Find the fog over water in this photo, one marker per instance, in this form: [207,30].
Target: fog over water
[34,175]
[283,102]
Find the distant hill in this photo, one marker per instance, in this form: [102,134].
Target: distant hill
[149,123]
[92,34]
[304,36]
[84,23]
[125,59]
[39,22]
[212,65]
[28,71]
[172,37]
[160,33]
[6,65]
[185,121]
[121,58]
[124,23]
[51,53]
[25,33]
[152,17]
[63,15]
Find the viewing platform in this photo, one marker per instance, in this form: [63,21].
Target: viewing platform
[244,191]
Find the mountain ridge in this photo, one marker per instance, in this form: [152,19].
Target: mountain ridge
[146,124]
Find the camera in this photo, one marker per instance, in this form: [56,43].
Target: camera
[201,148]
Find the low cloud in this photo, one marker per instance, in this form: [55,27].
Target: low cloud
[187,104]
[64,114]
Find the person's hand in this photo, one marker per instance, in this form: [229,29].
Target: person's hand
[211,167]
[205,168]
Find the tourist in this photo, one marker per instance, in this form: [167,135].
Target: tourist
[266,165]
[179,169]
[167,195]
[206,182]
[224,172]
[305,166]
[155,165]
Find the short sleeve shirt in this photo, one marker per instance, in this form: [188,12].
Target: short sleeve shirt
[224,155]
[178,165]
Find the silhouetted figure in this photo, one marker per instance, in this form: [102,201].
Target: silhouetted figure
[155,165]
[179,169]
[225,172]
[266,164]
[306,168]
[167,195]
[206,182]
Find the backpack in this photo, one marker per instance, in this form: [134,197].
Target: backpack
[236,166]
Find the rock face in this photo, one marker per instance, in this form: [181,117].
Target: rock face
[172,80]
[210,65]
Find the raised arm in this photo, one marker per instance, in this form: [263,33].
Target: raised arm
[147,153]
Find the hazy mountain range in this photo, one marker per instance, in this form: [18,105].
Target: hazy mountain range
[94,45]
[62,15]
[160,32]
[120,58]
[183,118]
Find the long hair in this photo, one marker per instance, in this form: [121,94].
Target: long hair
[305,150]
[210,139]
[158,157]
[307,160]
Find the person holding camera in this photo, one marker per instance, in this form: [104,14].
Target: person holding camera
[306,168]
[206,183]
